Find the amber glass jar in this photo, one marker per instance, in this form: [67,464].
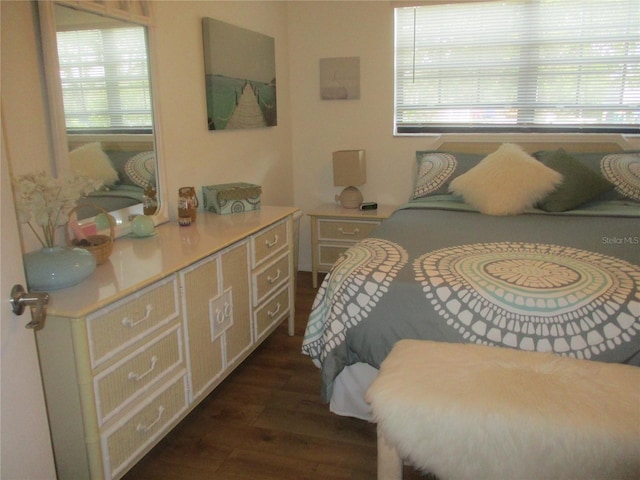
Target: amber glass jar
[187,205]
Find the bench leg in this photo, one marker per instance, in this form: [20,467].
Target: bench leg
[389,462]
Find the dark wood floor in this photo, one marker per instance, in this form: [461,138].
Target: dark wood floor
[266,422]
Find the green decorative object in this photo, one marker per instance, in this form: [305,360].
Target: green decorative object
[231,197]
[57,267]
[143,226]
[102,221]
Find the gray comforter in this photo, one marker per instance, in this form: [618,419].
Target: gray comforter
[567,283]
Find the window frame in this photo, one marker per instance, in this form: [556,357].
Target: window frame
[407,128]
[111,84]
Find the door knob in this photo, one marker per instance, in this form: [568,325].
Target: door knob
[37,301]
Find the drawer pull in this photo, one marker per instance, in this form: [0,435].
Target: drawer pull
[223,314]
[273,243]
[130,322]
[354,232]
[140,428]
[271,279]
[271,314]
[136,377]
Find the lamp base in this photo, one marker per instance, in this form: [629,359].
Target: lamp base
[350,198]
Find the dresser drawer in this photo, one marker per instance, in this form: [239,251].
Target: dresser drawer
[272,312]
[268,243]
[345,230]
[269,279]
[113,329]
[129,439]
[132,376]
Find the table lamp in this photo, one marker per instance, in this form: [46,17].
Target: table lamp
[349,170]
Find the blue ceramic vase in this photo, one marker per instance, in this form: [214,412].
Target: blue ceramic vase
[58,267]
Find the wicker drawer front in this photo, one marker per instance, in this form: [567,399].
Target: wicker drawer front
[130,378]
[235,267]
[272,312]
[113,329]
[268,243]
[345,230]
[128,440]
[268,280]
[202,286]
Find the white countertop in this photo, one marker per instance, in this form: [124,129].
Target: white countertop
[138,262]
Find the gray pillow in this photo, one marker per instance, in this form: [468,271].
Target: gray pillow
[580,184]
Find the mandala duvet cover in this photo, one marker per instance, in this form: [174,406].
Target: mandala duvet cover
[436,270]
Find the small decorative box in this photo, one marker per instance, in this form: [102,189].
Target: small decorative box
[231,197]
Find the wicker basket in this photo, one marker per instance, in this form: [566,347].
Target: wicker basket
[100,246]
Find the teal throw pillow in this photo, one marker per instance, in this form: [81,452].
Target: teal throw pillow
[580,183]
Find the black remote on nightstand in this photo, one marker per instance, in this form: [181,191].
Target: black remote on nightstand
[369,206]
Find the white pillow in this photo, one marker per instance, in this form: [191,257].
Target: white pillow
[506,182]
[89,160]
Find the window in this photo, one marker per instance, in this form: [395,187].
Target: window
[105,80]
[518,66]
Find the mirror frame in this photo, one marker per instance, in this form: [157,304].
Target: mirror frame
[121,11]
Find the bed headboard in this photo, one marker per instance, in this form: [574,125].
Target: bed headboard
[121,143]
[530,147]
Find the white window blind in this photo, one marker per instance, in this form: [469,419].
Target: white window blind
[558,65]
[105,79]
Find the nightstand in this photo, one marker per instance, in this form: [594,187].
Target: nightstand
[334,229]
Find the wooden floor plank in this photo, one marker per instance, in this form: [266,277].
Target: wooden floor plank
[266,421]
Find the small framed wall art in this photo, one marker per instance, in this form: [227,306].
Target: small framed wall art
[340,78]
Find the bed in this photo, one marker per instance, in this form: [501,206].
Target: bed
[442,268]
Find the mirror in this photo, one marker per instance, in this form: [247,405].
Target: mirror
[99,85]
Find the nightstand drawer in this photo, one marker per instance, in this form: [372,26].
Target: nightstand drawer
[345,230]
[128,440]
[267,280]
[334,229]
[113,329]
[268,243]
[132,376]
[328,254]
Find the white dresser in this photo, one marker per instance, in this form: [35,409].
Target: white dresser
[129,352]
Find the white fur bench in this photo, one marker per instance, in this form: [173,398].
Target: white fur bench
[473,412]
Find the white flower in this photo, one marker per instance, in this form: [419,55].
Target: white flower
[45,201]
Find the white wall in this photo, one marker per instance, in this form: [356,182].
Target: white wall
[345,29]
[24,115]
[360,29]
[291,161]
[342,29]
[193,155]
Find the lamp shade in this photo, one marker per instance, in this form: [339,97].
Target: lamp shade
[349,168]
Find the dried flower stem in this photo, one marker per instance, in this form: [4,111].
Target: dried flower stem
[46,202]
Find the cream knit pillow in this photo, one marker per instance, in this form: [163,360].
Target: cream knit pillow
[89,160]
[506,182]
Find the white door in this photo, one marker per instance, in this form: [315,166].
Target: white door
[25,444]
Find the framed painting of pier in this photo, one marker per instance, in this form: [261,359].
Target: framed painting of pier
[240,77]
